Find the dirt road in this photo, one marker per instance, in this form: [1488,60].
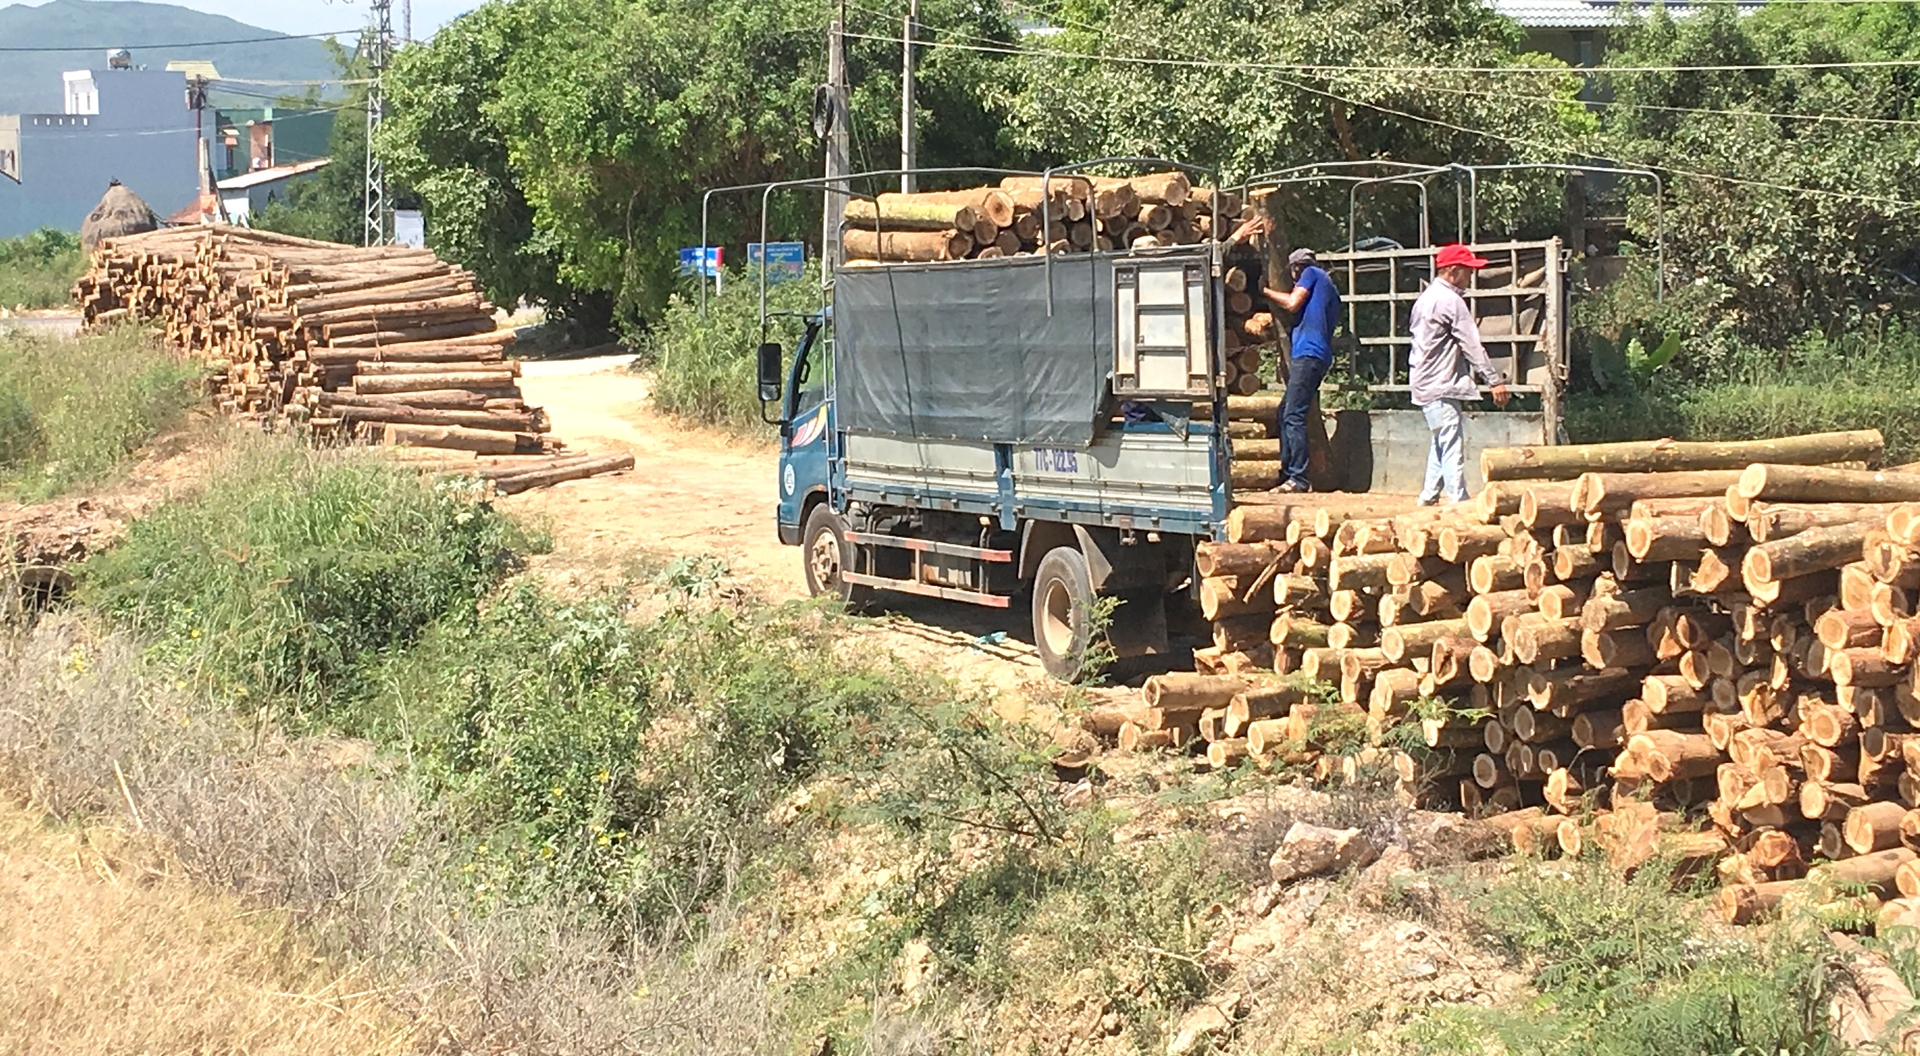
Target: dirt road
[696,491]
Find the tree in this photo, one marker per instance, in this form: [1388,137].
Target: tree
[1216,83]
[1792,192]
[561,148]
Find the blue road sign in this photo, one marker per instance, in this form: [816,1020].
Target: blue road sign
[691,264]
[785,261]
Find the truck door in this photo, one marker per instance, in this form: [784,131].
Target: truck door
[805,455]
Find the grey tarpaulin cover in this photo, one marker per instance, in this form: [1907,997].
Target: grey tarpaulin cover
[961,351]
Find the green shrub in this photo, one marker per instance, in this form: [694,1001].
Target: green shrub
[71,410]
[1624,969]
[294,569]
[703,364]
[636,757]
[38,270]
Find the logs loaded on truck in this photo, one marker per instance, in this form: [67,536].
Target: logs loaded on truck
[1704,652]
[385,344]
[1039,393]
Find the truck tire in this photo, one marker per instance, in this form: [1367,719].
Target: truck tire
[1062,599]
[825,553]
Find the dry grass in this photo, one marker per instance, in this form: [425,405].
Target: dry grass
[317,838]
[99,954]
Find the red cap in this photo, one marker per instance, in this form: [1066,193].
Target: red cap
[1457,255]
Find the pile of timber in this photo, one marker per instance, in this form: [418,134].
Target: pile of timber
[1023,215]
[1697,651]
[1253,424]
[1251,328]
[387,344]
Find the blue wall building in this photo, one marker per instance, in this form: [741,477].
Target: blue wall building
[133,125]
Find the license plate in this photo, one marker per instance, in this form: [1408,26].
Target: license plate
[1056,460]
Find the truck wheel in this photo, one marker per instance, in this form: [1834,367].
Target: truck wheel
[1062,598]
[824,554]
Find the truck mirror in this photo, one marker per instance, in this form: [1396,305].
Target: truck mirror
[769,372]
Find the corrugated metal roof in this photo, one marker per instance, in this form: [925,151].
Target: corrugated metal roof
[1586,14]
[278,172]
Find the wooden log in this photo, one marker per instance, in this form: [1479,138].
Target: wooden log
[444,399]
[1800,483]
[1542,506]
[1767,521]
[367,368]
[1185,692]
[1562,691]
[389,384]
[1619,611]
[1401,643]
[1669,755]
[483,441]
[1461,543]
[1814,550]
[1670,693]
[480,419]
[915,246]
[1546,641]
[1821,800]
[1862,667]
[1873,827]
[1360,572]
[1568,461]
[1562,601]
[546,478]
[1667,539]
[1595,494]
[909,212]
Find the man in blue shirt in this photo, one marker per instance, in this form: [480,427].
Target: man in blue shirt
[1315,305]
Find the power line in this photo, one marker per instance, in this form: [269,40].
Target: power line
[1217,64]
[1894,122]
[187,44]
[316,82]
[1741,181]
[1499,137]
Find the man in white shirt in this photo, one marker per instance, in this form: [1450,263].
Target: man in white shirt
[1444,369]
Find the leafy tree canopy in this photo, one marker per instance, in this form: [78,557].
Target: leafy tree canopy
[561,147]
[1794,194]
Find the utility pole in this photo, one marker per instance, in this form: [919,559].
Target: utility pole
[406,21]
[378,44]
[837,142]
[906,97]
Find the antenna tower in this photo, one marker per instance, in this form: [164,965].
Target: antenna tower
[378,43]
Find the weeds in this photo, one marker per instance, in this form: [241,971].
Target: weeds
[294,571]
[703,364]
[1624,967]
[71,410]
[1100,655]
[38,270]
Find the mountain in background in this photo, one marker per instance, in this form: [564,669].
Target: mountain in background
[30,81]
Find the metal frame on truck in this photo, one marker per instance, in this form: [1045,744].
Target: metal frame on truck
[1044,429]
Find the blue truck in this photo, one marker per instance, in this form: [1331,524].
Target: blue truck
[1047,430]
[1028,430]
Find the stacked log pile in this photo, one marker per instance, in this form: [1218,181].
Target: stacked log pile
[386,343]
[1699,651]
[1026,215]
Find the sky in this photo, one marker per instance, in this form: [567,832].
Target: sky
[324,16]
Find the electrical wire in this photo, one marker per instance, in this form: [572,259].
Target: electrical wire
[1498,137]
[189,44]
[1216,64]
[291,84]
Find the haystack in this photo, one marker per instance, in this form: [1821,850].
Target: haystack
[120,213]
